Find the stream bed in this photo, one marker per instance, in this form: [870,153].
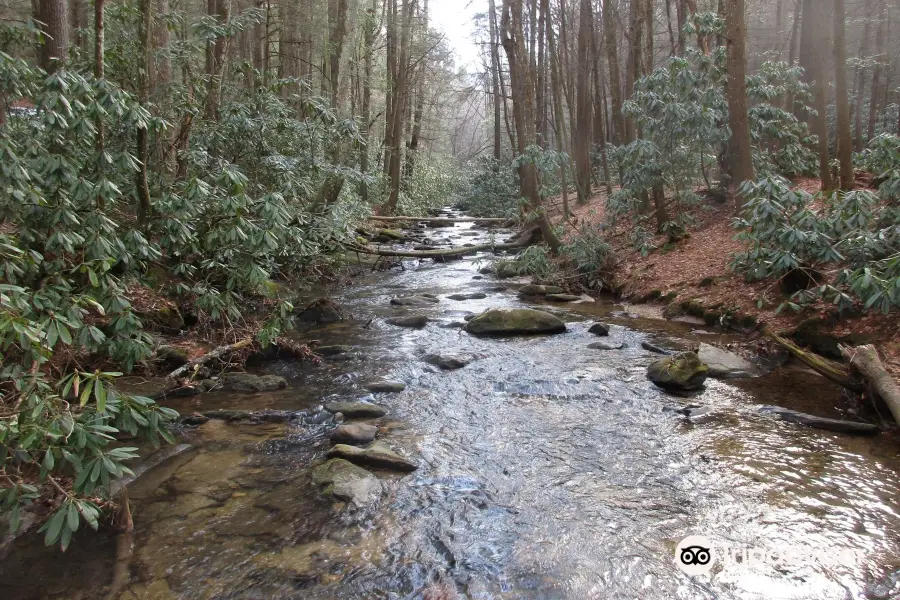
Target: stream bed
[547,471]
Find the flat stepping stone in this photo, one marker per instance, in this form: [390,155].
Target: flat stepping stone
[540,290]
[354,433]
[385,385]
[377,455]
[656,349]
[473,296]
[563,297]
[724,364]
[606,346]
[449,362]
[414,321]
[356,410]
[417,300]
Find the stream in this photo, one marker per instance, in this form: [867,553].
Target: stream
[547,471]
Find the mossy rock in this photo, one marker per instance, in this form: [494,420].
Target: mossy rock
[165,318]
[695,308]
[321,311]
[515,321]
[680,372]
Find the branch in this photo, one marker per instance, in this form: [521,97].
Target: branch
[836,372]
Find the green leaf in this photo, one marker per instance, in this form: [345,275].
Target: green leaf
[72,519]
[54,526]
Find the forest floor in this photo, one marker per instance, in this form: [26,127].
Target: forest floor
[693,276]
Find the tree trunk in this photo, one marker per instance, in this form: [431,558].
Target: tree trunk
[558,120]
[399,96]
[163,39]
[876,72]
[512,34]
[413,148]
[582,129]
[599,101]
[844,139]
[633,73]
[495,77]
[615,80]
[681,11]
[53,17]
[370,31]
[818,22]
[740,153]
[215,58]
[143,142]
[865,360]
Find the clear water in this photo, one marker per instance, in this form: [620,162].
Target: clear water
[547,471]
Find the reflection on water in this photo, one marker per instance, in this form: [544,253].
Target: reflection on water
[547,471]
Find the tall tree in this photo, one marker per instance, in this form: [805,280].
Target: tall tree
[53,19]
[740,154]
[860,84]
[399,95]
[635,49]
[495,75]
[584,107]
[610,18]
[878,69]
[844,139]
[513,39]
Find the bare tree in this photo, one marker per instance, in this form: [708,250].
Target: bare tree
[844,139]
[583,131]
[740,154]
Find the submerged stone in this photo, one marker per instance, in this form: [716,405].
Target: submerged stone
[449,362]
[417,300]
[249,383]
[414,321]
[377,455]
[541,290]
[472,296]
[356,410]
[344,480]
[386,386]
[354,433]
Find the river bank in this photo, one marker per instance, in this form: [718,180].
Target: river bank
[546,468]
[691,280]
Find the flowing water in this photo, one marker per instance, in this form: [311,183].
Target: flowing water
[547,471]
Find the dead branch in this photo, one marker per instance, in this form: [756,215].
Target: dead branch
[217,353]
[836,372]
[864,359]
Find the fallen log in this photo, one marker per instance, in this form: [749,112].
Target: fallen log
[836,372]
[445,253]
[864,359]
[793,416]
[443,219]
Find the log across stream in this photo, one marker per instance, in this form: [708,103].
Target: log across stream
[546,469]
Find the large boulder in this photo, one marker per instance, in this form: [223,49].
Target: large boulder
[515,321]
[321,311]
[246,382]
[377,455]
[343,480]
[679,372]
[725,365]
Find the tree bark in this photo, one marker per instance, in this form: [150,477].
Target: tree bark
[876,72]
[844,139]
[143,141]
[633,72]
[615,80]
[582,130]
[53,49]
[495,77]
[215,58]
[819,23]
[740,152]
[512,35]
[865,360]
[399,95]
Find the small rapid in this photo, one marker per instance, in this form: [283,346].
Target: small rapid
[547,470]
